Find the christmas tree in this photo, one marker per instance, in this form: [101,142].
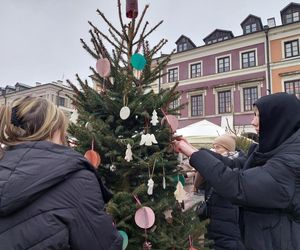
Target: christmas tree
[127,123]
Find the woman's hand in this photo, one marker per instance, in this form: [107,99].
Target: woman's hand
[182,146]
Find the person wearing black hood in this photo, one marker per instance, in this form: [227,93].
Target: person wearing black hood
[267,185]
[50,195]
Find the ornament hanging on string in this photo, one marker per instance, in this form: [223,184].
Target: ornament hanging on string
[128,153]
[150,180]
[164,178]
[180,193]
[154,118]
[125,111]
[125,239]
[113,168]
[148,139]
[93,157]
[103,69]
[138,62]
[131,8]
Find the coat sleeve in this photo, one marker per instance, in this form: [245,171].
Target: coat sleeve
[268,186]
[90,227]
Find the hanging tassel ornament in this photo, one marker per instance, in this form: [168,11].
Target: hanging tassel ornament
[131,8]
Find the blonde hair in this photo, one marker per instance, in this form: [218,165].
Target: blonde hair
[30,119]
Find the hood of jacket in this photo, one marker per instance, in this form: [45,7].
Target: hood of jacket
[30,169]
[279,118]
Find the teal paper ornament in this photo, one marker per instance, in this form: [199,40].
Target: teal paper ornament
[138,61]
[125,239]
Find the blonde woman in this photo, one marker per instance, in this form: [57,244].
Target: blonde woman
[50,196]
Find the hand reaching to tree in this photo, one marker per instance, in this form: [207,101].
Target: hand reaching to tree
[182,146]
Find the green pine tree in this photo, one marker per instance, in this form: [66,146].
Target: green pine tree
[99,122]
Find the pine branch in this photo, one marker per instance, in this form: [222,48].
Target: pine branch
[140,21]
[105,52]
[121,21]
[109,24]
[87,48]
[141,35]
[102,34]
[154,28]
[97,48]
[116,39]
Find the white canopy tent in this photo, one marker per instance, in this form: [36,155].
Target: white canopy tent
[201,133]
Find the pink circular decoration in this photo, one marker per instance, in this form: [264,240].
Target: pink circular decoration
[172,122]
[103,67]
[144,217]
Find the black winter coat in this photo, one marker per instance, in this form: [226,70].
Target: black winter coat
[268,189]
[223,230]
[50,198]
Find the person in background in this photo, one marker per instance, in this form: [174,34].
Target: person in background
[268,185]
[223,228]
[50,196]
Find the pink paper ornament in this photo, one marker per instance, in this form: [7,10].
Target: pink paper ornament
[172,122]
[144,217]
[103,67]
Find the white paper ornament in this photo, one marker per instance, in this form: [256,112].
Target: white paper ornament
[154,119]
[124,112]
[128,153]
[180,194]
[164,182]
[113,168]
[150,186]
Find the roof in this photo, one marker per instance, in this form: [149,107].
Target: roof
[183,36]
[292,4]
[202,128]
[218,30]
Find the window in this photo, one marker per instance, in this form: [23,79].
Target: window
[174,104]
[61,101]
[223,64]
[250,28]
[182,47]
[197,105]
[224,102]
[291,48]
[292,17]
[195,70]
[173,75]
[292,87]
[248,59]
[250,96]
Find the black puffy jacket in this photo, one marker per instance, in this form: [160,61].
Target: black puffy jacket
[50,198]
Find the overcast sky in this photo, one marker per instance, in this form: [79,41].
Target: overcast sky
[40,39]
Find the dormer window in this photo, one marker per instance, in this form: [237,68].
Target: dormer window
[291,13]
[218,36]
[251,24]
[250,28]
[292,17]
[182,47]
[184,43]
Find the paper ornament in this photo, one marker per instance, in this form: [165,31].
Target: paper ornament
[93,157]
[138,61]
[124,112]
[148,139]
[154,119]
[128,153]
[131,8]
[144,217]
[180,193]
[172,121]
[125,239]
[113,168]
[150,186]
[103,67]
